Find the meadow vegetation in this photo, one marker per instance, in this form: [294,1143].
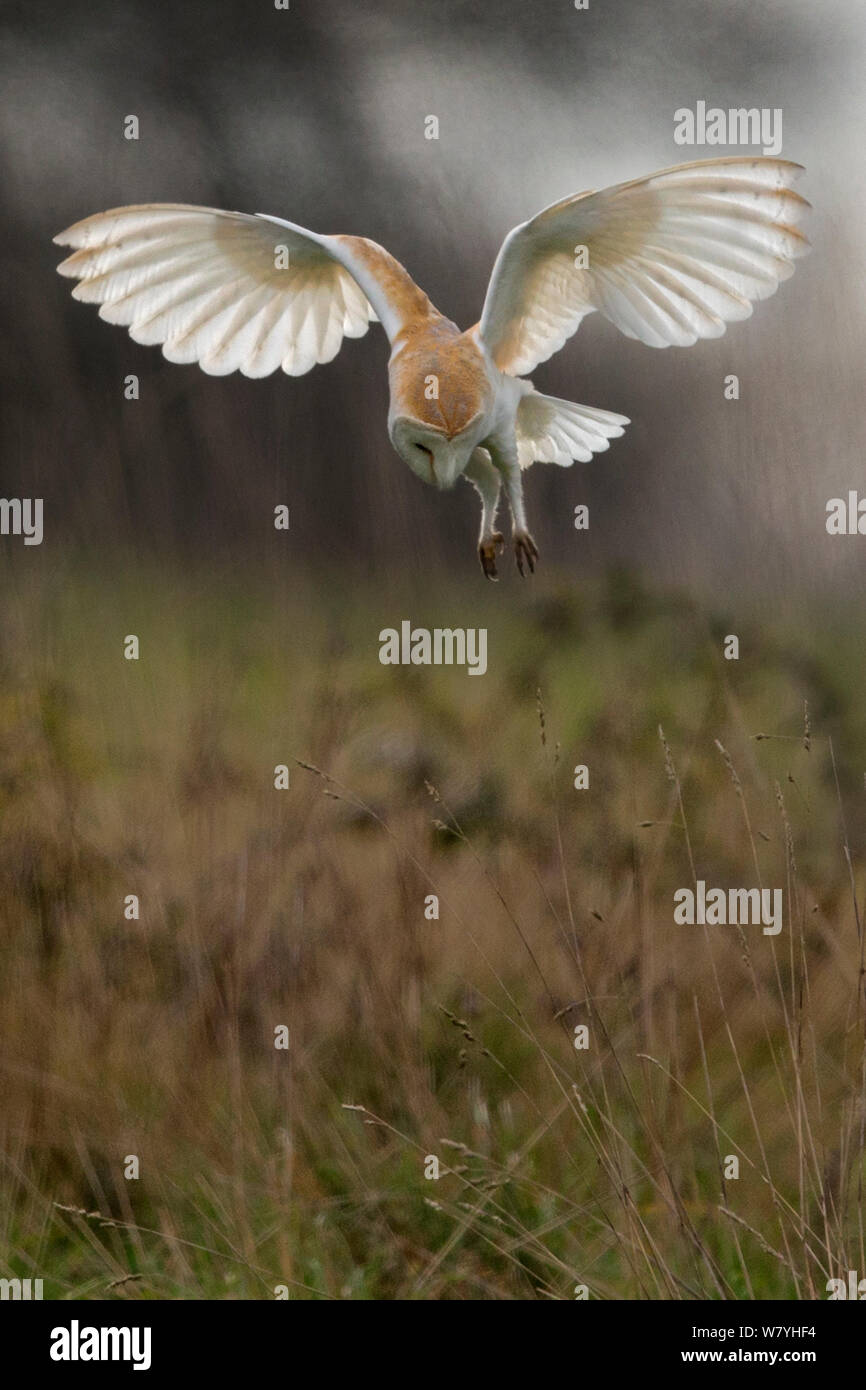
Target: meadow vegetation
[413,1037]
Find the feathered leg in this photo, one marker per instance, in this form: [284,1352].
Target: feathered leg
[506,462]
[487,482]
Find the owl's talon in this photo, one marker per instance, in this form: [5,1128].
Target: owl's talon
[525,549]
[487,549]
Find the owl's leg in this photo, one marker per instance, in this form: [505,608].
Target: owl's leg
[505,459]
[487,482]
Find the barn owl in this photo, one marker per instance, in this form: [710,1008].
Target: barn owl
[668,259]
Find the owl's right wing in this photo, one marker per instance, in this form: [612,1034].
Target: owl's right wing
[233,291]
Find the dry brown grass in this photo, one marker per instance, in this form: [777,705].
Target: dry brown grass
[412,1037]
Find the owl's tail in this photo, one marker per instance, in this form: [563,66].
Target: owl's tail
[554,431]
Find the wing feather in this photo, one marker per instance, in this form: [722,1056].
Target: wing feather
[210,287]
[671,258]
[555,431]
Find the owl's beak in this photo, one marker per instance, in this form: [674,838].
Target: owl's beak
[429,453]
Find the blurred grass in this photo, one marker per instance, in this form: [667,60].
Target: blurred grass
[455,1036]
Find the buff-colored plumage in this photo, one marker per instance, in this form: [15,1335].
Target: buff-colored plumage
[668,259]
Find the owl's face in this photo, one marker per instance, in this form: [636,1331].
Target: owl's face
[435,456]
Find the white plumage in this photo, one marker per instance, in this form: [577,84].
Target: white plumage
[668,259]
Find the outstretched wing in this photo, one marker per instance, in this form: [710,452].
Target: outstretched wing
[233,291]
[668,259]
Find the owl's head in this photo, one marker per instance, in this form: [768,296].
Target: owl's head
[435,455]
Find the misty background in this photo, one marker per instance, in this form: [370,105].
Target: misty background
[317,114]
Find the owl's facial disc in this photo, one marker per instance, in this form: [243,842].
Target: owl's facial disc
[436,457]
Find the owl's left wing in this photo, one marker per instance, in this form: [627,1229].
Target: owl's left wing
[668,259]
[233,291]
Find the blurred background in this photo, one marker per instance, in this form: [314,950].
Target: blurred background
[153,1035]
[317,114]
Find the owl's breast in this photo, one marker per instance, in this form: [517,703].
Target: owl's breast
[439,378]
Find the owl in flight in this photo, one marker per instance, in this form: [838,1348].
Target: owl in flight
[668,259]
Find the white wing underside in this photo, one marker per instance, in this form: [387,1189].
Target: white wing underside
[230,291]
[669,259]
[555,431]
